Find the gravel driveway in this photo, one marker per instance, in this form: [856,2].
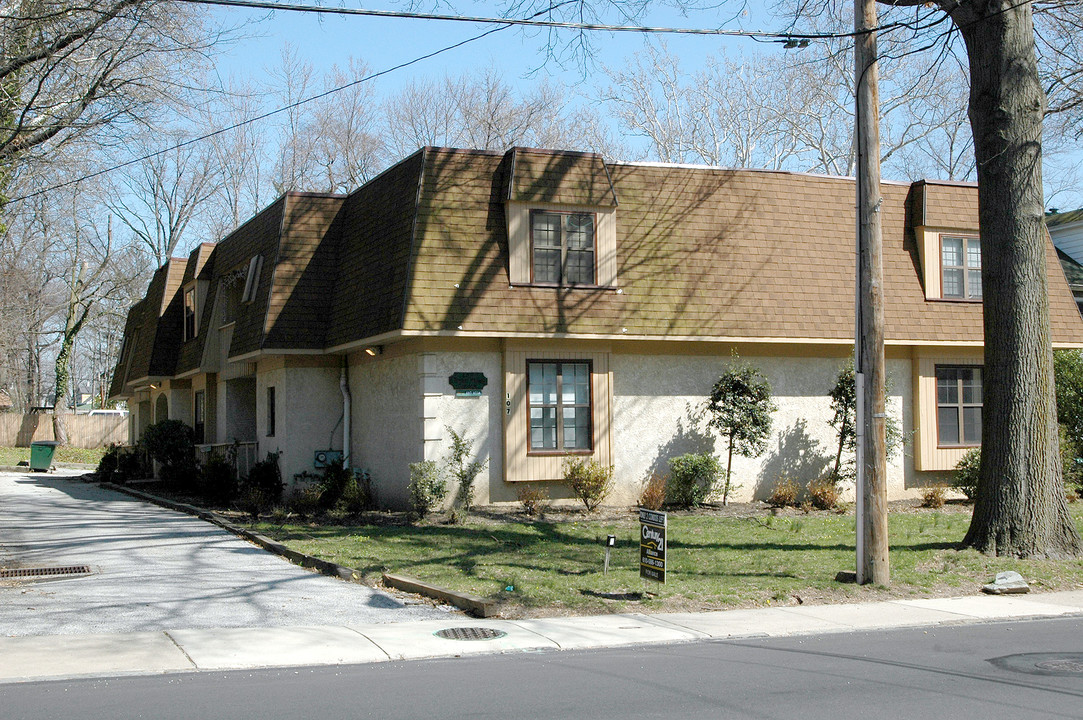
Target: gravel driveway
[156,569]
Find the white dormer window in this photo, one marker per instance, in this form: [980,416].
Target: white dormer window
[960,268]
[191,315]
[562,244]
[251,282]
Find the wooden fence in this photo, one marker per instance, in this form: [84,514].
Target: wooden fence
[84,431]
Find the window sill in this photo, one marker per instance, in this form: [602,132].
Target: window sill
[558,453]
[971,301]
[958,447]
[553,286]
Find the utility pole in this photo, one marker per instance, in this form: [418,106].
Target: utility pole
[869,372]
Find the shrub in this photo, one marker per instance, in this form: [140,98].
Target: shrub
[933,497]
[305,500]
[264,482]
[130,466]
[966,474]
[218,481]
[107,466]
[653,496]
[170,442]
[357,496]
[823,492]
[463,471]
[427,488]
[589,480]
[533,498]
[333,484]
[784,493]
[692,478]
[740,408]
[1070,461]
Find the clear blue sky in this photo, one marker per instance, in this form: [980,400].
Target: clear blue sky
[382,43]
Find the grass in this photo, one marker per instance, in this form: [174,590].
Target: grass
[546,568]
[64,454]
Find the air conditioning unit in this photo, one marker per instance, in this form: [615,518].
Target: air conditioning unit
[324,458]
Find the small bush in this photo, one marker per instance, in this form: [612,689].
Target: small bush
[653,496]
[589,480]
[333,484]
[692,478]
[933,497]
[462,470]
[823,492]
[171,443]
[107,466]
[217,481]
[357,496]
[131,465]
[784,493]
[264,481]
[1071,463]
[304,500]
[966,474]
[427,488]
[533,498]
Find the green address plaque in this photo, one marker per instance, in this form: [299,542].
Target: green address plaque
[468,384]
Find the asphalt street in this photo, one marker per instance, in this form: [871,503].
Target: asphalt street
[1016,670]
[155,568]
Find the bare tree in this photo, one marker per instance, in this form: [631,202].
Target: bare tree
[483,111]
[347,146]
[295,166]
[72,70]
[164,192]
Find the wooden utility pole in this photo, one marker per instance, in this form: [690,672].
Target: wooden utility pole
[872,545]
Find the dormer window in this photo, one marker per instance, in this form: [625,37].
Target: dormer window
[960,268]
[190,314]
[562,244]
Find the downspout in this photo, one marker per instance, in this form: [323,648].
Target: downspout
[344,385]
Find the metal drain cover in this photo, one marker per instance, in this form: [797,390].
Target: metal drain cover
[1042,663]
[470,633]
[20,573]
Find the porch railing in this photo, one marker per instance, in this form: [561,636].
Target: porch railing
[243,455]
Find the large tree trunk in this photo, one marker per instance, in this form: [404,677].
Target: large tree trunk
[1020,509]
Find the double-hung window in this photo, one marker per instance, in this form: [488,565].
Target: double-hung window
[190,313]
[960,267]
[958,405]
[563,245]
[560,406]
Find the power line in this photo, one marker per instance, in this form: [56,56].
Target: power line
[533,21]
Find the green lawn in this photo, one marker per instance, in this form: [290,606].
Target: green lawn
[64,454]
[714,562]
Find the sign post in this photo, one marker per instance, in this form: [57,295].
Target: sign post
[652,545]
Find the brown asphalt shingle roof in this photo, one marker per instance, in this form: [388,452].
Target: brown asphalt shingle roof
[701,253]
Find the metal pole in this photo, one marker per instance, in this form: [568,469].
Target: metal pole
[872,558]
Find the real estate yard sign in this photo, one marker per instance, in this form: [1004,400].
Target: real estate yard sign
[652,545]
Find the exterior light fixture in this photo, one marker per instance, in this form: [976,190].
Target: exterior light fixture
[374,350]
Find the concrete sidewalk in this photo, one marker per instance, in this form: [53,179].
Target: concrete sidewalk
[31,658]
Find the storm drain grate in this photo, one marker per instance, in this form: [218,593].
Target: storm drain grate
[470,633]
[44,571]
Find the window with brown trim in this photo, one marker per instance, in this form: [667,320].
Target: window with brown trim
[559,403]
[562,248]
[958,405]
[960,268]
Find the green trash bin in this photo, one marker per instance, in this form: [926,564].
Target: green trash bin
[41,455]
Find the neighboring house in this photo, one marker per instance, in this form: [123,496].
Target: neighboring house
[1066,231]
[551,304]
[5,401]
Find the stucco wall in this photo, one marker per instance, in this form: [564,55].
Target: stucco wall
[657,414]
[308,413]
[387,424]
[477,419]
